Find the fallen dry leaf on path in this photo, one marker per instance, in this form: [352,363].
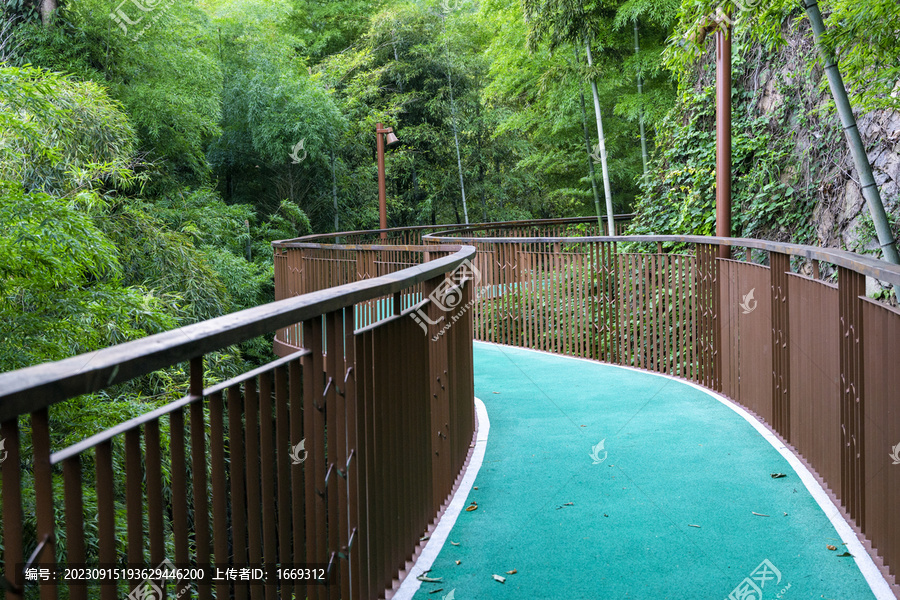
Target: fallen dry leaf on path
[830,547]
[513,572]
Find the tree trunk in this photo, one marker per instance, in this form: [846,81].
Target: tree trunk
[334,194]
[602,145]
[481,169]
[845,112]
[462,184]
[46,9]
[587,142]
[640,87]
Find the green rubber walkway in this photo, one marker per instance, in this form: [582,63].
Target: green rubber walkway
[664,509]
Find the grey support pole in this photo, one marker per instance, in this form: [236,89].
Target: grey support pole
[848,121]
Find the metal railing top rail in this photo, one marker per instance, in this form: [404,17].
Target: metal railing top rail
[33,388]
[861,263]
[498,224]
[167,409]
[386,247]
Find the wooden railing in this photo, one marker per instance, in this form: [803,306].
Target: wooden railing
[338,455]
[785,330]
[790,335]
[406,236]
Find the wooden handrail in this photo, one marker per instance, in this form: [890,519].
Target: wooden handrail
[32,388]
[860,263]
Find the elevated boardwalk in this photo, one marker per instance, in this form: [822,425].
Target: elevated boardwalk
[597,481]
[664,510]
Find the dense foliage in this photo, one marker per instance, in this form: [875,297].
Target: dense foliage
[148,160]
[149,157]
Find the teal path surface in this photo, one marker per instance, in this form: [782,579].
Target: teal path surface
[577,521]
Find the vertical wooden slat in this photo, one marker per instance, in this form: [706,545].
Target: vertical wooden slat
[267,477]
[297,385]
[666,340]
[381,483]
[219,488]
[283,465]
[716,329]
[153,458]
[155,521]
[553,276]
[371,540]
[134,499]
[309,489]
[43,494]
[74,522]
[106,511]
[238,487]
[394,475]
[12,506]
[851,286]
[781,347]
[177,459]
[630,311]
[254,508]
[337,450]
[314,424]
[357,557]
[201,491]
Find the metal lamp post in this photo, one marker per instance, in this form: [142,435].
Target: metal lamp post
[723,134]
[720,22]
[380,131]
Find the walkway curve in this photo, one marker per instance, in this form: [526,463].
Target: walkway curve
[677,502]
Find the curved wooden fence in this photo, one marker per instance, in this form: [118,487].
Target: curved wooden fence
[785,330]
[335,458]
[406,236]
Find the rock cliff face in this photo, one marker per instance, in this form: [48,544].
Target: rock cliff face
[788,85]
[841,214]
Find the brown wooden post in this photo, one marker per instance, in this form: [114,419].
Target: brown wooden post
[12,507]
[723,134]
[852,285]
[781,347]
